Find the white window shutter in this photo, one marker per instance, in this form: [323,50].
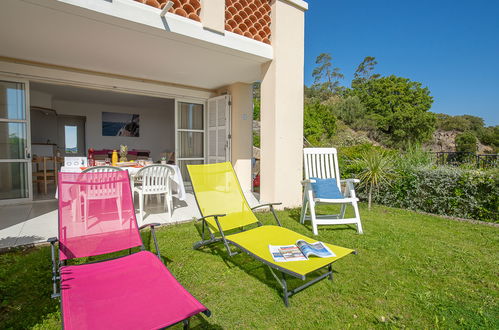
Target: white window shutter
[218,129]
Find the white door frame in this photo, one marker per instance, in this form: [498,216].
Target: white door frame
[27,159]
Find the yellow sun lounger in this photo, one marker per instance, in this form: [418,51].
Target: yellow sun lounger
[225,212]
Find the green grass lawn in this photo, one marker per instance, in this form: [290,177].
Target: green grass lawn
[412,270]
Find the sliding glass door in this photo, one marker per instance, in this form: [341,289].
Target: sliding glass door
[15,160]
[190,138]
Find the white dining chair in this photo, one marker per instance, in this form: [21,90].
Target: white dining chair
[102,192]
[154,180]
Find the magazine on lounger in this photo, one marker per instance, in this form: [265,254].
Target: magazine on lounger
[301,251]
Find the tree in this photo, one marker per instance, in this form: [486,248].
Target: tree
[365,70]
[452,123]
[326,78]
[476,123]
[400,108]
[459,123]
[466,142]
[319,123]
[349,109]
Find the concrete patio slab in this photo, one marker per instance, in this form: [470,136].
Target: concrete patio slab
[34,223]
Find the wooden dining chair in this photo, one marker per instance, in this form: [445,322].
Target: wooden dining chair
[44,174]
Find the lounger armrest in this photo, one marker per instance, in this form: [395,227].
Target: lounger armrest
[263,205]
[308,181]
[211,216]
[152,225]
[52,241]
[271,205]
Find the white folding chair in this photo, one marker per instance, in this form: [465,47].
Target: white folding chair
[320,164]
[154,180]
[101,191]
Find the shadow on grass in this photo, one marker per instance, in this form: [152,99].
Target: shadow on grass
[148,242]
[255,268]
[295,214]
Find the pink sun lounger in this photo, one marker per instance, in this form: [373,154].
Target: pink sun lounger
[135,291]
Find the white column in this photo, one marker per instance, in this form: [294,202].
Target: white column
[213,15]
[282,107]
[242,132]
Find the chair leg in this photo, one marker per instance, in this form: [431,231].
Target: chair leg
[167,205]
[141,208]
[85,213]
[304,208]
[313,218]
[342,211]
[357,216]
[120,210]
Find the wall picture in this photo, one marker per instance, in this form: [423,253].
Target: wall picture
[120,124]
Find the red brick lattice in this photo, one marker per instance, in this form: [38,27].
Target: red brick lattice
[249,18]
[185,8]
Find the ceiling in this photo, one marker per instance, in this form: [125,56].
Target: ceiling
[86,95]
[58,33]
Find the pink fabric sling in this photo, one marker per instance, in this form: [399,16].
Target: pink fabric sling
[96,216]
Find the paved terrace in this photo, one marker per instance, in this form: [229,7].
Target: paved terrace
[32,223]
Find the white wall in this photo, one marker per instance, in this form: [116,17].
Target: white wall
[157,126]
[43,123]
[40,99]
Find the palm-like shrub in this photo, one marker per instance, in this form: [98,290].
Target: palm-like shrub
[378,167]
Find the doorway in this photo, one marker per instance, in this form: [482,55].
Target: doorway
[71,135]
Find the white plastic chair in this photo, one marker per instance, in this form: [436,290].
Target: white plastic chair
[322,163]
[101,191]
[154,180]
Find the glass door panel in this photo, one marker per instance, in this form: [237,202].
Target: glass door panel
[12,140]
[190,135]
[15,160]
[13,180]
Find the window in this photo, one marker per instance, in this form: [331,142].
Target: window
[70,139]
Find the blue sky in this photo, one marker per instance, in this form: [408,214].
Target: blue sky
[452,47]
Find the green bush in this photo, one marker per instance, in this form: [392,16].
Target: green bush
[413,156]
[256,109]
[490,136]
[420,186]
[256,139]
[466,142]
[447,191]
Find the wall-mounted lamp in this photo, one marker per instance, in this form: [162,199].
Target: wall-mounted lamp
[166,8]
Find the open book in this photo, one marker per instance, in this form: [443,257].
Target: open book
[301,251]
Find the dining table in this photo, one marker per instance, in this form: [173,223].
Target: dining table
[177,183]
